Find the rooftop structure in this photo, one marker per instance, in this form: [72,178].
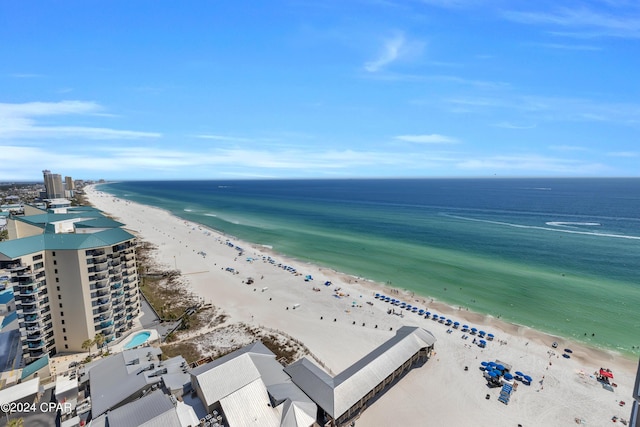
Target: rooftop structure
[249,387]
[344,396]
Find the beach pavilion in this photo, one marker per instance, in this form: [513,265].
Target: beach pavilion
[342,398]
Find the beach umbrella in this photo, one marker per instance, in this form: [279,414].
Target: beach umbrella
[492,374]
[498,367]
[492,363]
[481,332]
[421,311]
[456,323]
[568,350]
[484,363]
[527,378]
[490,336]
[508,376]
[428,313]
[465,327]
[520,374]
[377,295]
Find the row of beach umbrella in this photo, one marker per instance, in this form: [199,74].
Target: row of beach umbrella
[435,317]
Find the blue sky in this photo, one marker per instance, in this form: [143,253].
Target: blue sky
[319,88]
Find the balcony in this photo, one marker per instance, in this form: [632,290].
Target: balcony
[129,257]
[100,294]
[102,302]
[32,289]
[32,309]
[19,268]
[106,324]
[34,327]
[118,309]
[99,276]
[105,310]
[100,267]
[26,273]
[101,284]
[36,345]
[116,278]
[115,286]
[115,262]
[115,270]
[34,336]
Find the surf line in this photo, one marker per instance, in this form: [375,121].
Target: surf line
[536,227]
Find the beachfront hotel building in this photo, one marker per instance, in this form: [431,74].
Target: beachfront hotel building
[73,275]
[53,185]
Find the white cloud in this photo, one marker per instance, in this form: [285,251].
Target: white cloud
[19,121]
[531,163]
[629,154]
[433,138]
[391,51]
[584,22]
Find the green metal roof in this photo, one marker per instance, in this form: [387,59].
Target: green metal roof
[35,367]
[63,241]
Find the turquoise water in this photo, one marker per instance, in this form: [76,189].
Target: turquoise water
[559,255]
[138,339]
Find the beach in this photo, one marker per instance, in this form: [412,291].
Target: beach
[343,321]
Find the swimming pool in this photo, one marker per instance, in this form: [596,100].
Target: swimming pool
[138,339]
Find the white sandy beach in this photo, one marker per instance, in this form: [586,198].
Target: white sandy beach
[439,393]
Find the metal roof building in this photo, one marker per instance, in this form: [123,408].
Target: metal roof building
[249,387]
[342,397]
[156,409]
[121,378]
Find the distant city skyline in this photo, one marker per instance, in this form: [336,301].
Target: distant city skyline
[320,89]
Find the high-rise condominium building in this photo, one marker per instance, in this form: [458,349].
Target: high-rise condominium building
[68,183]
[73,275]
[53,185]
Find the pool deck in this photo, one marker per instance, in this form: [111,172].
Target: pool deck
[117,348]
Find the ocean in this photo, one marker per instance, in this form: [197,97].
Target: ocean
[558,255]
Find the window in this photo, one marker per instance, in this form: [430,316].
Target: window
[58,288]
[60,305]
[62,313]
[55,271]
[58,281]
[37,257]
[59,296]
[66,346]
[65,337]
[62,321]
[64,330]
[55,262]
[53,253]
[39,265]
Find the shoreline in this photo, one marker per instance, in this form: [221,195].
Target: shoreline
[323,337]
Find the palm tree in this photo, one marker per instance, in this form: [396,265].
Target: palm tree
[16,422]
[99,340]
[87,344]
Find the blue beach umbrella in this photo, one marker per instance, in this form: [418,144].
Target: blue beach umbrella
[474,330]
[421,311]
[484,363]
[508,376]
[492,374]
[456,323]
[428,314]
[377,295]
[490,336]
[482,332]
[500,367]
[465,327]
[520,374]
[527,378]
